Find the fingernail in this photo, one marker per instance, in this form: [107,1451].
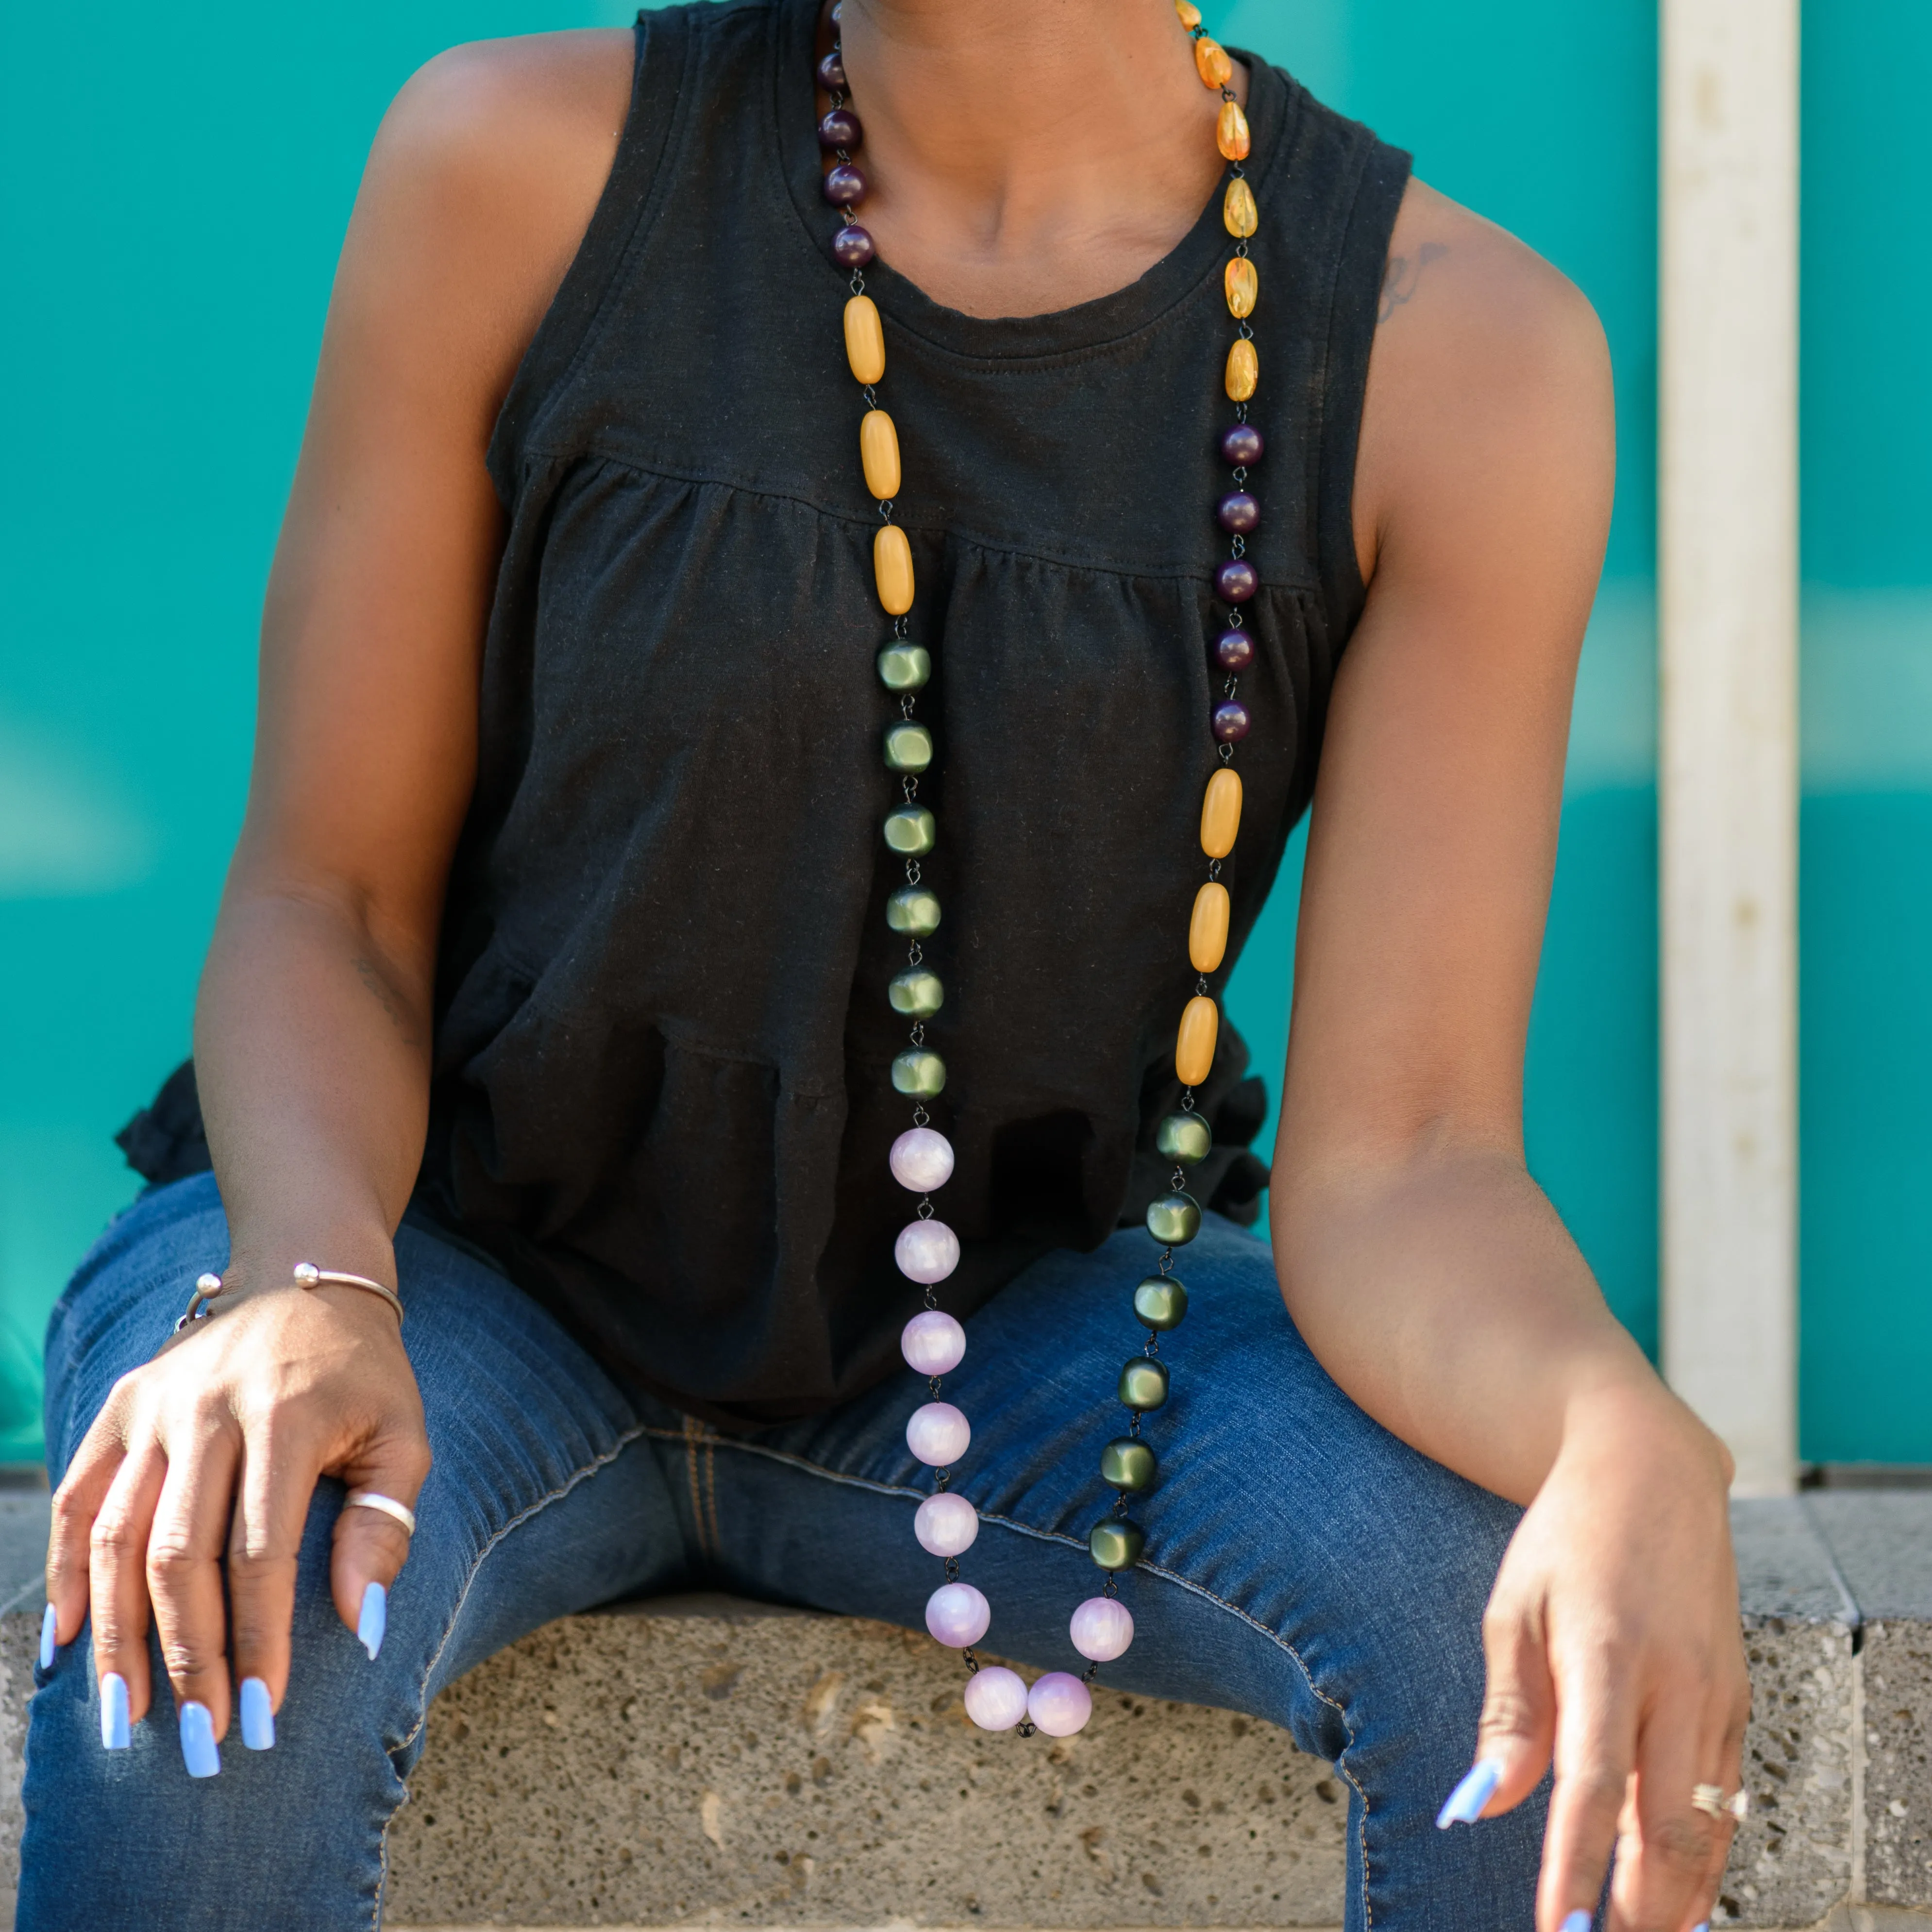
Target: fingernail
[1466,1803]
[1703,1925]
[1577,1921]
[197,1743]
[114,1712]
[258,1716]
[47,1621]
[374,1619]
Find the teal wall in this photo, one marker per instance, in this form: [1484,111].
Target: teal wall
[179,185]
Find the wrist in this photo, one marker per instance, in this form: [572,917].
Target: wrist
[1636,1420]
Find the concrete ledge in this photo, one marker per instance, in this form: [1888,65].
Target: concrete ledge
[704,1761]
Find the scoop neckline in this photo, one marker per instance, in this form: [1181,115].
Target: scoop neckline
[1106,318]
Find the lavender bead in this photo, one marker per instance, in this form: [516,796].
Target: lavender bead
[937,1434]
[1231,722]
[832,73]
[928,1251]
[1238,511]
[1102,1628]
[1235,582]
[840,129]
[1233,650]
[946,1525]
[957,1615]
[852,246]
[1059,1704]
[1241,444]
[922,1159]
[996,1697]
[845,186]
[933,1342]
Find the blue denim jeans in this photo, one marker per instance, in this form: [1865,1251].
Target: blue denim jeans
[1302,1565]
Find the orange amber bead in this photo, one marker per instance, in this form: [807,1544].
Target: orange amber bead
[891,565]
[1212,64]
[1244,370]
[1238,211]
[879,452]
[1207,930]
[1242,287]
[865,339]
[1221,813]
[1194,1049]
[1190,14]
[1231,132]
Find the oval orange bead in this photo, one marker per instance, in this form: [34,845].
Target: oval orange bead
[1239,213]
[879,452]
[1207,930]
[891,565]
[1194,1047]
[1242,287]
[1221,813]
[865,339]
[1231,132]
[1190,14]
[1244,370]
[1212,64]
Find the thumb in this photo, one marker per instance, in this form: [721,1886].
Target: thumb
[1517,1732]
[372,1542]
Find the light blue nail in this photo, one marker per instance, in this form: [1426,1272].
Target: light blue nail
[114,1729]
[1465,1802]
[1577,1921]
[197,1742]
[374,1619]
[258,1716]
[1703,1925]
[47,1638]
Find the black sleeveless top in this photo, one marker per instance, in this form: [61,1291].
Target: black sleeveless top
[661,1093]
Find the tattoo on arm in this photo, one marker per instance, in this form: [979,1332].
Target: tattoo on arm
[370,975]
[1404,274]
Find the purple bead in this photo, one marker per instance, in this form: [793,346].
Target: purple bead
[1233,650]
[845,186]
[840,129]
[1231,722]
[852,246]
[1241,443]
[1238,511]
[832,73]
[1059,1703]
[1235,582]
[957,1615]
[996,1697]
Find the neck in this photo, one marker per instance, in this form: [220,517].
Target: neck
[1026,155]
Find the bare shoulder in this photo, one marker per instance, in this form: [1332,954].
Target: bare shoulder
[1489,386]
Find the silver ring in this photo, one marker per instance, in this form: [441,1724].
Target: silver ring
[374,1499]
[1710,1799]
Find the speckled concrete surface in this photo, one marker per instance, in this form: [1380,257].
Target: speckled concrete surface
[1897,1663]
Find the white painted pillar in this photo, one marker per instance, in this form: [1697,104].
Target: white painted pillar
[1727,750]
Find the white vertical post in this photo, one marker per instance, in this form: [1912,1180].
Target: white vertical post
[1727,753]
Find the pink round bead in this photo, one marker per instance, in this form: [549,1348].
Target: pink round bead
[926,1251]
[957,1615]
[922,1159]
[937,1434]
[1058,1703]
[996,1697]
[933,1342]
[1102,1628]
[946,1525]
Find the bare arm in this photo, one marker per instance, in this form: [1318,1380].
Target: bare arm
[313,1030]
[1426,1269]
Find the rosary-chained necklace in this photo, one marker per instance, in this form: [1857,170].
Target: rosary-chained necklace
[927,1249]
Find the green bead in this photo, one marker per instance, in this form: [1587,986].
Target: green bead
[1184,1137]
[913,909]
[1144,1382]
[1174,1220]
[917,993]
[1160,1301]
[911,830]
[1117,1543]
[908,748]
[919,1072]
[1127,1463]
[903,667]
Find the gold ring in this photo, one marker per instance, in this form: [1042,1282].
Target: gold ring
[1710,1799]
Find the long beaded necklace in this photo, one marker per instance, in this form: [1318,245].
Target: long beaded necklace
[927,1250]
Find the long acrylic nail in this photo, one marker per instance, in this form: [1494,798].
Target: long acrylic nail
[197,1741]
[258,1715]
[1577,1921]
[1703,1925]
[1466,1803]
[47,1622]
[114,1726]
[374,1619]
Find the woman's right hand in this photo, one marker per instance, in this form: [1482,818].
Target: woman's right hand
[212,1451]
